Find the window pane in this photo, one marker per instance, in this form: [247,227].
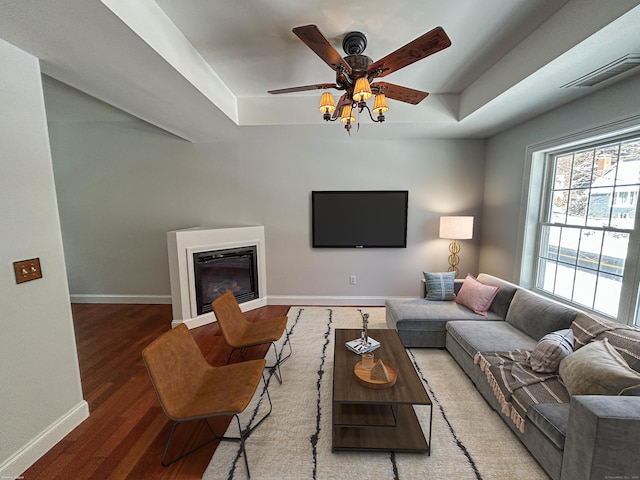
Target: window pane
[599,206]
[590,245]
[608,294]
[582,169]
[629,160]
[565,276]
[549,243]
[569,241]
[578,201]
[546,275]
[624,206]
[559,206]
[605,158]
[562,176]
[585,287]
[614,252]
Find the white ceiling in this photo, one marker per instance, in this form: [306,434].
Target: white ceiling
[198,68]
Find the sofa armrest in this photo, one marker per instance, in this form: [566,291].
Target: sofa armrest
[603,437]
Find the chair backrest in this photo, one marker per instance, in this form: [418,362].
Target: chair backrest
[230,318]
[176,367]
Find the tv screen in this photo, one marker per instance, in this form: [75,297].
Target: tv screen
[360,219]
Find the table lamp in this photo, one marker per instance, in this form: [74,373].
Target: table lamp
[455,228]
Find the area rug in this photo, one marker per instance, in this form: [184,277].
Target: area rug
[469,440]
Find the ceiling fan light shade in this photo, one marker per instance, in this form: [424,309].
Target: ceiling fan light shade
[380,104]
[327,105]
[347,114]
[362,90]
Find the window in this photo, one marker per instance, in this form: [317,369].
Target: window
[587,242]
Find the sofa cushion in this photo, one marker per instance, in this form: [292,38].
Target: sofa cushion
[439,285]
[476,295]
[598,369]
[418,313]
[550,350]
[500,304]
[552,419]
[486,336]
[517,387]
[537,315]
[625,339]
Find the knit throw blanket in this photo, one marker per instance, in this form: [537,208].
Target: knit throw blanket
[516,386]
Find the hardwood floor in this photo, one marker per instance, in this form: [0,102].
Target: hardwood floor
[125,434]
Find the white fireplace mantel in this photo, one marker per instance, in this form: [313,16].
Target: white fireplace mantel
[182,244]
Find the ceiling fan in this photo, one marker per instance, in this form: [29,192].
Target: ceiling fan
[355,72]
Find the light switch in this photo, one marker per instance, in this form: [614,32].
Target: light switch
[27,270]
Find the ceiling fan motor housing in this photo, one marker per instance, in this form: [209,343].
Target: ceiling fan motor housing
[354,43]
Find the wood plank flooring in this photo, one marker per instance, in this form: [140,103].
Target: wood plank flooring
[125,434]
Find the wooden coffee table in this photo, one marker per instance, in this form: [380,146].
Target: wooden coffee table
[377,419]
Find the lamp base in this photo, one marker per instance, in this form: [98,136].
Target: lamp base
[454,260]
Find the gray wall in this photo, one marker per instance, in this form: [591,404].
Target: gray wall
[123,184]
[41,397]
[507,165]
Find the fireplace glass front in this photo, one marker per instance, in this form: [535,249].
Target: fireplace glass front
[217,271]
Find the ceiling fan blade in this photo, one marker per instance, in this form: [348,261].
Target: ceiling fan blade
[342,102]
[317,86]
[317,42]
[423,46]
[396,92]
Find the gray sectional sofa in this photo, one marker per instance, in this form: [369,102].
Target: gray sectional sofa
[572,437]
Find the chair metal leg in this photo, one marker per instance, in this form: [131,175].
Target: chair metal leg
[243,434]
[166,448]
[229,357]
[275,368]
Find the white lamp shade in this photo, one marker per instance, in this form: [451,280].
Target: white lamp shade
[456,228]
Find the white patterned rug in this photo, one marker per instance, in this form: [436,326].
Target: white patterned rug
[469,440]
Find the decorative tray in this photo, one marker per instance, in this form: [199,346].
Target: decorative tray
[364,377]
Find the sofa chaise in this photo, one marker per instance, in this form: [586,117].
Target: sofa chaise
[574,436]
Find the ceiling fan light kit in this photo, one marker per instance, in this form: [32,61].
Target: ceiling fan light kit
[355,72]
[327,105]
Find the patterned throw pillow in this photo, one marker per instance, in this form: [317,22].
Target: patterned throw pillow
[598,369]
[476,295]
[625,339]
[440,285]
[550,350]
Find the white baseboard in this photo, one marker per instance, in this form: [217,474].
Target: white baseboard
[20,461]
[326,300]
[270,300]
[133,299]
[195,322]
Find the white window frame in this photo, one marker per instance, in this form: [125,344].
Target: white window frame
[536,183]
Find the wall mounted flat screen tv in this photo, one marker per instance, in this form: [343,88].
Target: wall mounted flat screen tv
[359,219]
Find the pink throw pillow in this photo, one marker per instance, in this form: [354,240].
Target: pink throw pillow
[476,295]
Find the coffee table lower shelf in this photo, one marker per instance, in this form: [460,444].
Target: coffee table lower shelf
[375,427]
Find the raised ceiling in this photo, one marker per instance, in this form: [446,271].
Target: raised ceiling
[198,68]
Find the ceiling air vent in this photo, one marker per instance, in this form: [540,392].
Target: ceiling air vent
[617,67]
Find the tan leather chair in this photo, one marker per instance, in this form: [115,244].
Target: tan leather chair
[240,334]
[189,389]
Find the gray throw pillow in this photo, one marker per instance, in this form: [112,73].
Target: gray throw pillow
[598,369]
[550,350]
[440,285]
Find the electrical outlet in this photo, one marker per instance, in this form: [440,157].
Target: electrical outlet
[27,270]
[352,280]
